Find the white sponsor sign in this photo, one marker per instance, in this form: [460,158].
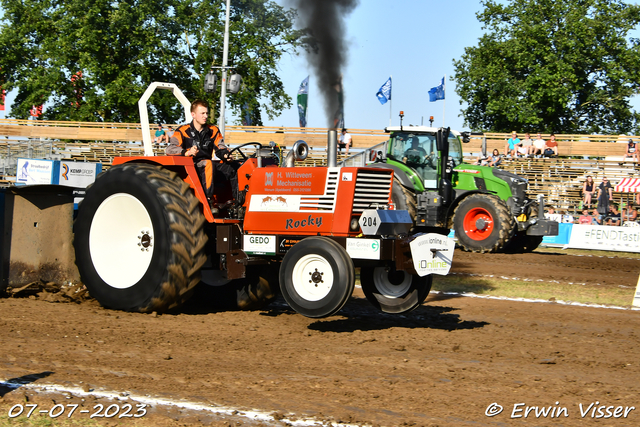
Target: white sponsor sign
[363,248]
[602,237]
[78,174]
[273,203]
[257,244]
[432,254]
[34,171]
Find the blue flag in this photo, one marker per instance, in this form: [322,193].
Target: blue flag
[437,92]
[384,94]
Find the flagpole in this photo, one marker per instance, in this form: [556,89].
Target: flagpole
[444,103]
[390,100]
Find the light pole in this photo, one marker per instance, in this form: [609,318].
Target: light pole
[225,60]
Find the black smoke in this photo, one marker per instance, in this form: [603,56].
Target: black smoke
[327,53]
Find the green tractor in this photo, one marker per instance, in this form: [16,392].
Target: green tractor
[488,208]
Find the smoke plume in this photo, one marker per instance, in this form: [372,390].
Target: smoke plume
[328,53]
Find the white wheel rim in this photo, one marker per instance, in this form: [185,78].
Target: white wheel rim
[312,277]
[121,240]
[388,289]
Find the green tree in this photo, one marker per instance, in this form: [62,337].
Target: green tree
[120,46]
[555,66]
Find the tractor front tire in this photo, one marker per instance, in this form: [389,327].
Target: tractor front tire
[317,277]
[394,291]
[139,239]
[482,223]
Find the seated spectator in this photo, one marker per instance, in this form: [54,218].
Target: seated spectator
[630,214]
[511,147]
[585,218]
[588,188]
[160,135]
[493,161]
[597,218]
[566,218]
[632,150]
[526,146]
[551,148]
[614,215]
[553,216]
[539,145]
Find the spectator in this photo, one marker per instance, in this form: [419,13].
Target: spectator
[539,145]
[511,147]
[169,134]
[614,215]
[630,214]
[605,193]
[493,161]
[632,150]
[526,145]
[585,218]
[597,218]
[553,216]
[566,218]
[551,148]
[588,188]
[345,141]
[160,135]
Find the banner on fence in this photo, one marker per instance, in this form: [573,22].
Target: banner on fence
[606,238]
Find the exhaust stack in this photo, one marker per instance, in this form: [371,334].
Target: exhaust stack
[332,148]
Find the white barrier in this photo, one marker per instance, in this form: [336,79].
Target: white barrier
[606,238]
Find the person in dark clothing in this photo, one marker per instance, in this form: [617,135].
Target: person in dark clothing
[205,144]
[605,193]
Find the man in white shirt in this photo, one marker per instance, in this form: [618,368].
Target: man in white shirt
[539,145]
[345,141]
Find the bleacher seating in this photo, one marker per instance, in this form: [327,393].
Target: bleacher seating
[558,179]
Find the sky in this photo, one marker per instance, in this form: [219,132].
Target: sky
[414,41]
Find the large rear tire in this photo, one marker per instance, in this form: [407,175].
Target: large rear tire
[139,239]
[317,277]
[482,223]
[394,291]
[404,199]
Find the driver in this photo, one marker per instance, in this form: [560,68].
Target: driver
[415,153]
[205,144]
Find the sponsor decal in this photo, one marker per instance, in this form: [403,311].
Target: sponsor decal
[363,248]
[432,254]
[467,170]
[259,244]
[347,176]
[268,178]
[286,244]
[311,221]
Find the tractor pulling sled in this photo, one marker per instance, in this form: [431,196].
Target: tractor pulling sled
[145,235]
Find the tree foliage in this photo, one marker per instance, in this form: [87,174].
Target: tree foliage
[555,66]
[120,46]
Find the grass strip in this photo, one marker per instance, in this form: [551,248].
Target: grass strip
[586,294]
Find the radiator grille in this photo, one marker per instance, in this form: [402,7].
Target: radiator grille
[372,186]
[327,201]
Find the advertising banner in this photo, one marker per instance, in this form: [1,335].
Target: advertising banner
[35,171]
[78,174]
[605,238]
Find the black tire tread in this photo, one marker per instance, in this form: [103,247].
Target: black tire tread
[506,220]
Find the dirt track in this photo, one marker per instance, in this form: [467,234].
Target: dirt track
[442,364]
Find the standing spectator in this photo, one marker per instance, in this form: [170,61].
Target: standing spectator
[539,145]
[160,135]
[585,218]
[588,188]
[605,193]
[614,215]
[511,147]
[551,148]
[632,150]
[526,145]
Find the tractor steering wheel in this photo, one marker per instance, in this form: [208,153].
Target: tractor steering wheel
[244,156]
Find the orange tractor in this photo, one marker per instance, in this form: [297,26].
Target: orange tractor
[145,235]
